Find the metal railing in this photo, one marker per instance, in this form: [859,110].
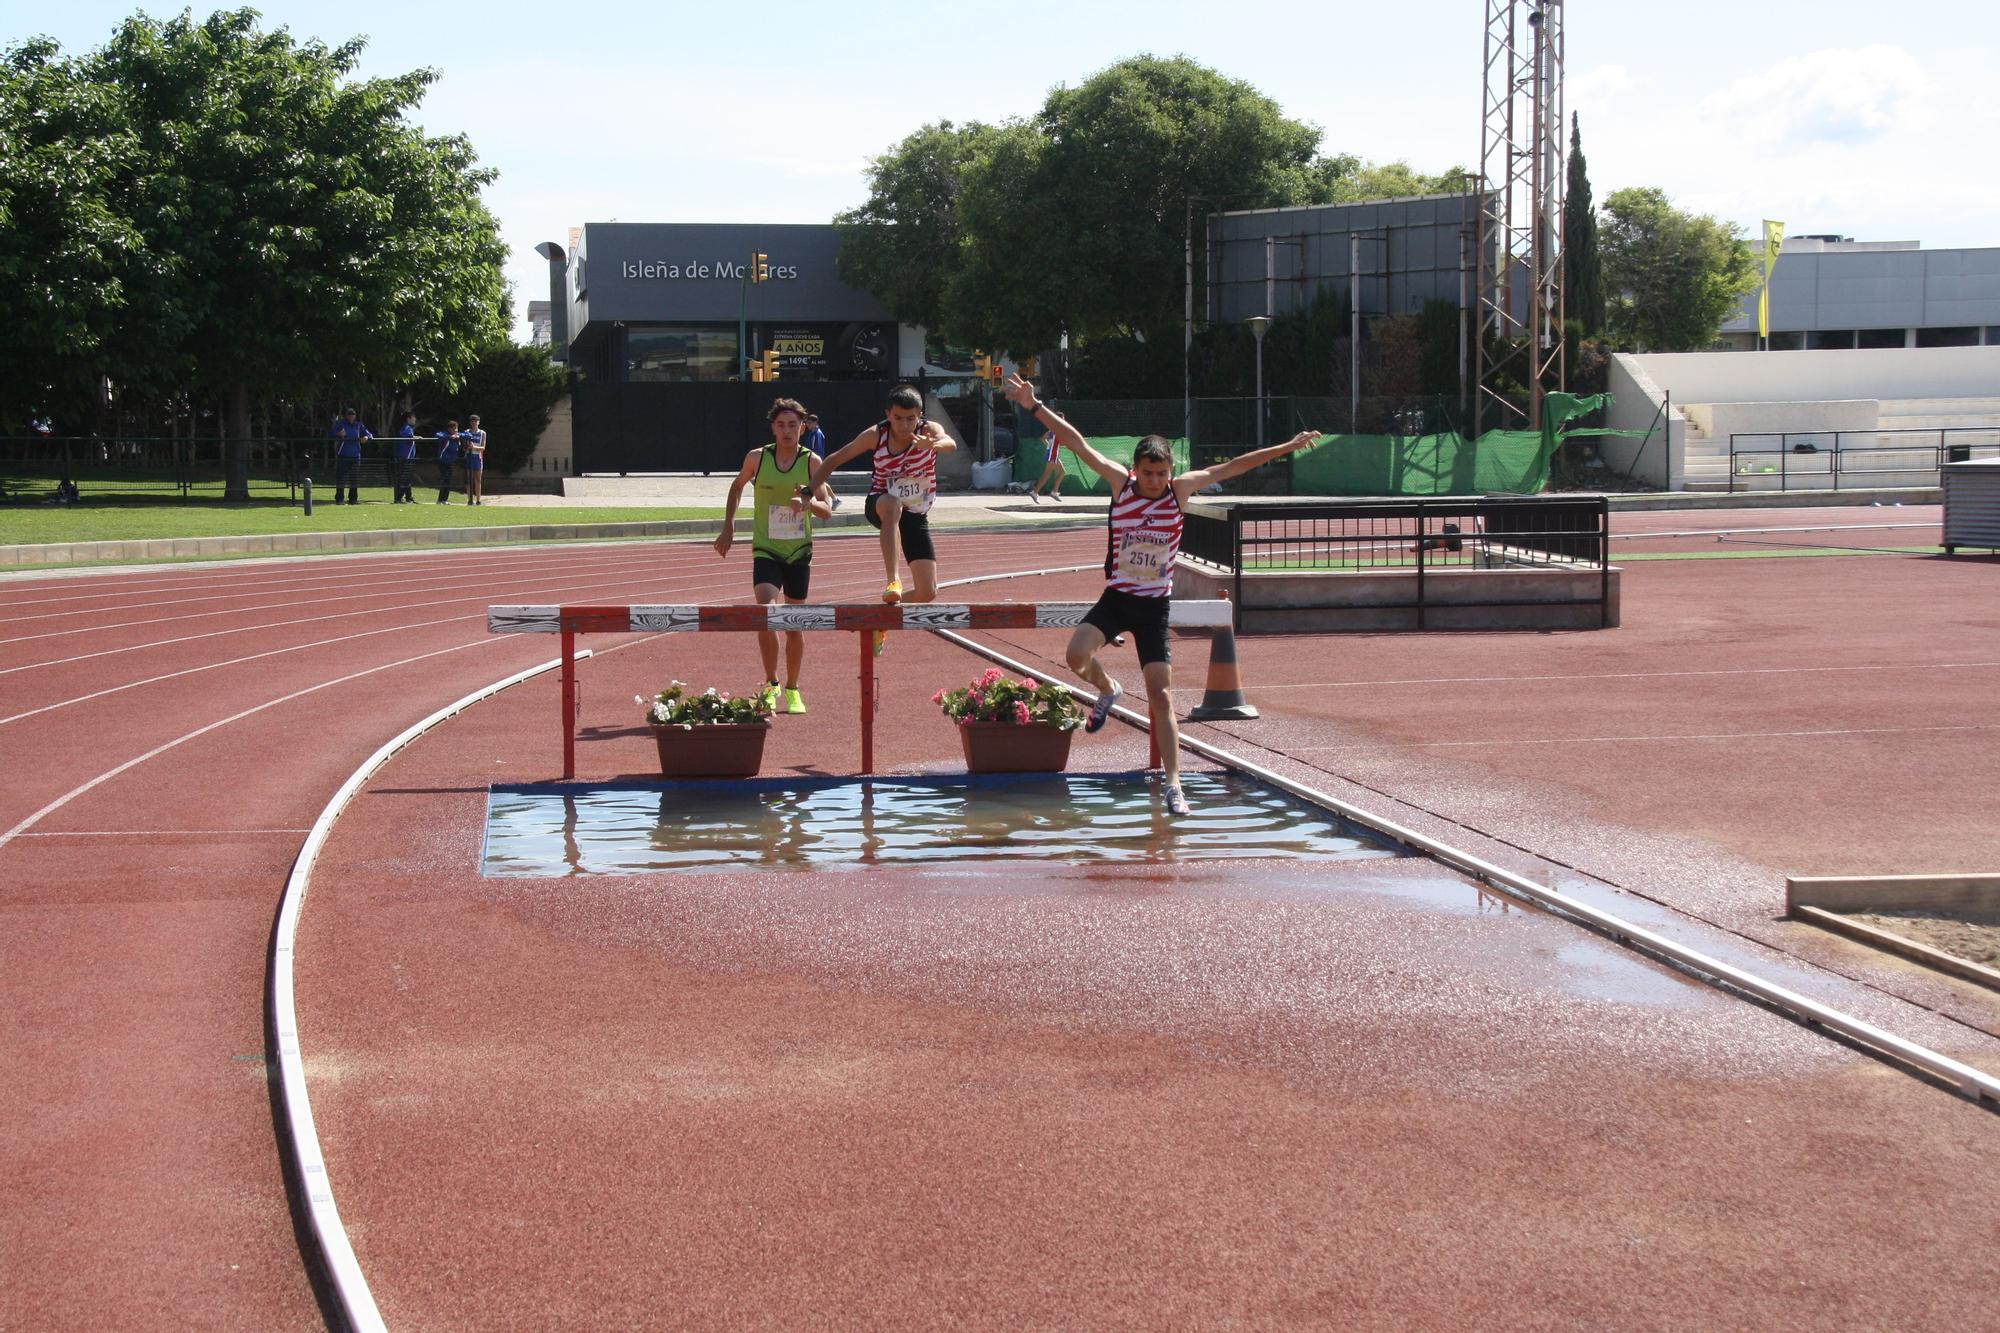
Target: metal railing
[34,468]
[1361,536]
[1814,458]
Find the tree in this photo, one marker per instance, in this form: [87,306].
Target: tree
[1583,270]
[903,243]
[1087,201]
[1674,276]
[511,387]
[68,253]
[309,234]
[1358,182]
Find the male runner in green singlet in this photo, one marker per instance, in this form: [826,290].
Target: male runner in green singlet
[781,544]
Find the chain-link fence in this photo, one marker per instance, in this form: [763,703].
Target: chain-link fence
[38,469]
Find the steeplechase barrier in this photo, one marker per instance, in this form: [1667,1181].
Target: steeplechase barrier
[861,620]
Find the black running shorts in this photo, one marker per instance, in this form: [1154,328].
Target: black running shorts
[1144,618]
[915,530]
[794,578]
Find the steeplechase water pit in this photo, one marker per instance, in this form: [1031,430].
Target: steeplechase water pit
[1016,821]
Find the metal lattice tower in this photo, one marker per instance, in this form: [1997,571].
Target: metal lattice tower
[1520,351]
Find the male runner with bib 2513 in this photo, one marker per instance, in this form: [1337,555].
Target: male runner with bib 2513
[905,454]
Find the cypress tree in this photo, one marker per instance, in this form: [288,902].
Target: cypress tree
[1583,273]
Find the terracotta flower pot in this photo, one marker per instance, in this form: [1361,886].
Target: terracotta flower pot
[722,750]
[1006,747]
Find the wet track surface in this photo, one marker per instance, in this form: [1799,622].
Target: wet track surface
[1363,1093]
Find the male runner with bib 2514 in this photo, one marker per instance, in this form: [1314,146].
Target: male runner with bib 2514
[900,492]
[1143,540]
[781,543]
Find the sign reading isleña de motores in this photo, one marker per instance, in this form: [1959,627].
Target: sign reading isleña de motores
[733,270]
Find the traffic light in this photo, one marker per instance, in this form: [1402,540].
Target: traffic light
[982,364]
[769,364]
[760,267]
[1027,371]
[997,373]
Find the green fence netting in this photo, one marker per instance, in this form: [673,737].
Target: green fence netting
[1511,461]
[1078,479]
[1442,462]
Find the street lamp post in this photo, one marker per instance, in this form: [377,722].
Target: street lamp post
[1258,324]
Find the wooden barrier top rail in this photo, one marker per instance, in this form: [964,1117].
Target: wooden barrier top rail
[570,621]
[1193,615]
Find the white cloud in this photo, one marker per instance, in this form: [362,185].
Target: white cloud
[1850,140]
[1598,86]
[1833,96]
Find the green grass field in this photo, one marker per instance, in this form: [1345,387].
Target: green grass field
[138,510]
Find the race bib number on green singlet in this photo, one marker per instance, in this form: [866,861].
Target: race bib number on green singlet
[784,523]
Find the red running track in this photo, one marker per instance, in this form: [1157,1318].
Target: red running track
[220,708]
[167,736]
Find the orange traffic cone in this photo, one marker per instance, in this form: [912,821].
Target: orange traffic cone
[1222,698]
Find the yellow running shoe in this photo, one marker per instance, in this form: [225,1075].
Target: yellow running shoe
[769,695]
[894,592]
[793,703]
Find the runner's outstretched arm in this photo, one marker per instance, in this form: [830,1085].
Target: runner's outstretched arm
[1189,482]
[825,467]
[1067,436]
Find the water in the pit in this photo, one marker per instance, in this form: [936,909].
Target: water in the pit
[1105,818]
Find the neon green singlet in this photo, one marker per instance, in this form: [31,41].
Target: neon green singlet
[778,532]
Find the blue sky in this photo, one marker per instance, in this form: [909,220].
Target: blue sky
[1869,120]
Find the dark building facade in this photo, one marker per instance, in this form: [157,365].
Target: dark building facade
[663,303]
[656,321]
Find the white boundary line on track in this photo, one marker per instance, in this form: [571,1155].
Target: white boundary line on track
[291,648]
[343,1268]
[716,578]
[336,1252]
[185,737]
[1627,675]
[1628,740]
[1744,532]
[1972,1082]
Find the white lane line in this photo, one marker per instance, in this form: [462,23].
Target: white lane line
[703,582]
[1744,532]
[481,600]
[719,579]
[1628,675]
[336,1250]
[337,1255]
[325,575]
[157,750]
[292,597]
[1624,740]
[168,833]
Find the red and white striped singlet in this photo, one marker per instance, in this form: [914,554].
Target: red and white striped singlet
[911,476]
[1144,539]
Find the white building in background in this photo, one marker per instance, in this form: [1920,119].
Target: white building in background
[541,324]
[1833,292]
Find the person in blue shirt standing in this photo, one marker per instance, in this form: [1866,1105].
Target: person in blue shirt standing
[472,456]
[448,443]
[815,439]
[348,433]
[406,460]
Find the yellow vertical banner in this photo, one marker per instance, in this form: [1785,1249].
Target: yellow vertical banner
[1774,240]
